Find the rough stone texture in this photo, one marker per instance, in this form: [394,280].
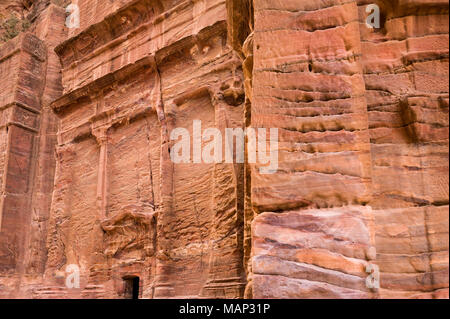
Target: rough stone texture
[85,170]
[31,78]
[406,75]
[19,122]
[364,116]
[312,253]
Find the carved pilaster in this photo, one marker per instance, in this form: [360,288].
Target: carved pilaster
[162,286]
[226,274]
[101,136]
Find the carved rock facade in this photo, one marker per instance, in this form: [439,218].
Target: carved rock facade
[86,176]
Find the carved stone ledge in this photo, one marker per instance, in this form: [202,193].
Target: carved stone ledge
[86,92]
[113,26]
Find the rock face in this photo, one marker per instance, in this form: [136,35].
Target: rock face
[87,180]
[364,116]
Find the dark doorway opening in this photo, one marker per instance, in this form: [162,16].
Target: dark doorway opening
[131,287]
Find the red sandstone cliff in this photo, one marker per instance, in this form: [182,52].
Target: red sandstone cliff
[86,176]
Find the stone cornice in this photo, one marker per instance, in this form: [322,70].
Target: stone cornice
[149,61]
[115,28]
[111,27]
[92,88]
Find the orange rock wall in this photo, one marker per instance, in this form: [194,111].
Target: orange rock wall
[87,180]
[23,66]
[31,78]
[164,68]
[363,149]
[406,75]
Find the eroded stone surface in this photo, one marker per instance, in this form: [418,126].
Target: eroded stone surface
[364,114]
[85,170]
